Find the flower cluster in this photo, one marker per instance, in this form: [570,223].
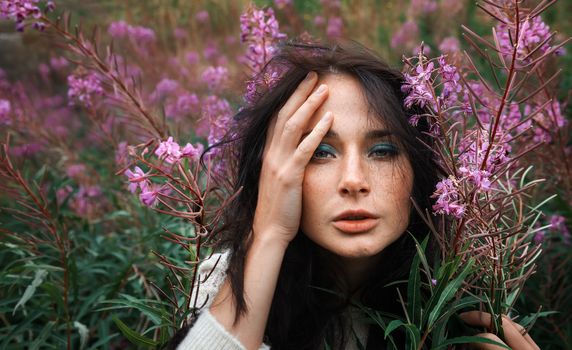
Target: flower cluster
[21,10]
[215,77]
[83,88]
[137,34]
[5,108]
[259,30]
[418,86]
[448,198]
[172,152]
[532,32]
[149,192]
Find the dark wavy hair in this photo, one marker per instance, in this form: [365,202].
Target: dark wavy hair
[307,310]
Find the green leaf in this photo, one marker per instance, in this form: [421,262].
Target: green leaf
[133,336]
[31,289]
[414,286]
[44,334]
[413,336]
[449,293]
[393,325]
[471,340]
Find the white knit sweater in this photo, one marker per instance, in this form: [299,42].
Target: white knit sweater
[208,334]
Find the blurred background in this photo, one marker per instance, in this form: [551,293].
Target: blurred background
[97,283]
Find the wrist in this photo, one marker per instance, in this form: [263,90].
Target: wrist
[269,241]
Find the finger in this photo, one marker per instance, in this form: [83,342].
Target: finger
[516,328]
[485,346]
[294,127]
[306,148]
[295,101]
[269,138]
[513,337]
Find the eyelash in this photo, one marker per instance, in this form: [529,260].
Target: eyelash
[388,151]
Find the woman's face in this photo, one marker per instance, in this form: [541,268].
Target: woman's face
[357,187]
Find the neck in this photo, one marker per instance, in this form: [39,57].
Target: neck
[357,270]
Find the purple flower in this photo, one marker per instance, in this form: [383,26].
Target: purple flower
[83,88]
[165,87]
[450,83]
[137,179]
[84,202]
[448,199]
[5,108]
[21,10]
[217,112]
[142,35]
[282,3]
[58,63]
[26,150]
[63,193]
[192,57]
[418,86]
[118,30]
[202,16]
[405,35]
[150,194]
[169,150]
[215,77]
[319,21]
[532,32]
[421,7]
[558,224]
[450,45]
[121,154]
[473,148]
[138,34]
[75,170]
[193,152]
[335,27]
[259,29]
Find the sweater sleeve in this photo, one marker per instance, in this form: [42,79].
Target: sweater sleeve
[207,333]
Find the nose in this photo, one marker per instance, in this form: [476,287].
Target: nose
[354,179]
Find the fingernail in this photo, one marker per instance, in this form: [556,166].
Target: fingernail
[321,89]
[327,117]
[310,75]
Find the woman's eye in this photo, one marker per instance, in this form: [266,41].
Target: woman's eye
[323,151]
[385,150]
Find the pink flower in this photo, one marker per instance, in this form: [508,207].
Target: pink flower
[5,108]
[335,27]
[75,170]
[215,77]
[450,45]
[63,193]
[83,88]
[202,16]
[418,86]
[21,10]
[282,3]
[165,87]
[150,194]
[319,21]
[193,152]
[121,154]
[169,150]
[84,202]
[118,30]
[58,63]
[405,35]
[558,224]
[192,57]
[532,32]
[448,199]
[137,179]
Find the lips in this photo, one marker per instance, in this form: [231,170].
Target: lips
[355,221]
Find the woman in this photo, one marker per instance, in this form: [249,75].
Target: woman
[328,167]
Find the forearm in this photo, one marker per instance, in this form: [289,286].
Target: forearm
[261,270]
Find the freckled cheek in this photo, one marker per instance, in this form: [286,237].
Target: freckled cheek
[315,188]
